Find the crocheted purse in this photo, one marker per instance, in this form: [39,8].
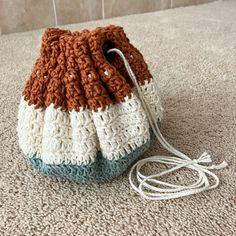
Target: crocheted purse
[91,107]
[79,116]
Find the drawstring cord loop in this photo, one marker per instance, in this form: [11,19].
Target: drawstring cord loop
[147,185]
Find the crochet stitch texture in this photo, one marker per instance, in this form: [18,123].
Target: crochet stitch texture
[79,116]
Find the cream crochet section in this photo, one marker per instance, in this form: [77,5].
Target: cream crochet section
[73,137]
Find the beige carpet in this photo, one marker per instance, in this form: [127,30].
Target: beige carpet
[192,53]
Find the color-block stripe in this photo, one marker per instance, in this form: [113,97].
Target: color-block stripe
[101,170]
[75,138]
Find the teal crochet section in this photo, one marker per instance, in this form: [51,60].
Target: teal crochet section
[101,170]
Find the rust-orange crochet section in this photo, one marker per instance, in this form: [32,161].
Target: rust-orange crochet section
[72,71]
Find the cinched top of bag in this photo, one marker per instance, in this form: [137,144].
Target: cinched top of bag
[72,71]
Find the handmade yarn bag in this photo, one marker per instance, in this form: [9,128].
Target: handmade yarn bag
[79,116]
[91,108]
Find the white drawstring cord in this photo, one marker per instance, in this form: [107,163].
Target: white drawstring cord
[147,185]
[55,12]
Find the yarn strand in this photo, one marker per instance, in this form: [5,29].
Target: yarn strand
[147,184]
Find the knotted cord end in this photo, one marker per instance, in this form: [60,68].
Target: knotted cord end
[222,165]
[204,158]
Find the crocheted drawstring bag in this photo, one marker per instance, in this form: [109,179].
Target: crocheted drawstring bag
[91,107]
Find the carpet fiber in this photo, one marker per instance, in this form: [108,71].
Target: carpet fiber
[192,53]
